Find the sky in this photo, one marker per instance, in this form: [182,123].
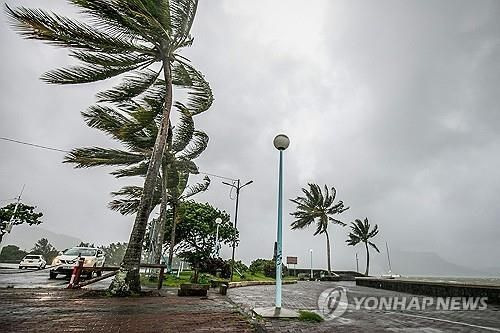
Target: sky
[394,103]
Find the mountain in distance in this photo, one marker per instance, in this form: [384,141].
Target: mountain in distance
[25,237]
[408,263]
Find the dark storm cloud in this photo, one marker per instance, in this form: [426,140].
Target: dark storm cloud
[394,103]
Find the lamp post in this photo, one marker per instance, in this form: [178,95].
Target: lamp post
[218,221]
[311,252]
[238,188]
[281,142]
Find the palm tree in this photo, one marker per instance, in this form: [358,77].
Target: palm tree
[318,207]
[123,36]
[361,233]
[183,146]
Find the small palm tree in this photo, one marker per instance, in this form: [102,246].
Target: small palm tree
[361,233]
[318,207]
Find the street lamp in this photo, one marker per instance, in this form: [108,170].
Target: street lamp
[218,221]
[281,142]
[238,188]
[311,251]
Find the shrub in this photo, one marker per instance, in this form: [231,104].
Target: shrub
[257,266]
[309,316]
[211,265]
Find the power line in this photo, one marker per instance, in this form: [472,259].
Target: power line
[34,145]
[222,177]
[67,151]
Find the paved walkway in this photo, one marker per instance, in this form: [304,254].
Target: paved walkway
[304,296]
[49,310]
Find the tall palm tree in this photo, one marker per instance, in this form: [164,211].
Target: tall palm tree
[183,146]
[122,36]
[361,233]
[320,208]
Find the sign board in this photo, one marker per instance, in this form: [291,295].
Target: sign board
[291,260]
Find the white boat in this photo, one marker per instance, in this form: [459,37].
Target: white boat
[389,274]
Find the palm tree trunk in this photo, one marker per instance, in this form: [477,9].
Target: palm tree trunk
[367,259]
[127,280]
[172,238]
[328,251]
[163,216]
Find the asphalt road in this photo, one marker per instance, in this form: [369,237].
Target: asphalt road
[12,277]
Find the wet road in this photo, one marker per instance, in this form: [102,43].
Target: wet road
[307,296]
[12,277]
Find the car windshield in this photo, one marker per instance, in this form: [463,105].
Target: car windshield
[84,252]
[32,257]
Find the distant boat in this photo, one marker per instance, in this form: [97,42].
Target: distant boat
[389,274]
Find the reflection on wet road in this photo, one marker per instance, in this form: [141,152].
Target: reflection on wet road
[12,277]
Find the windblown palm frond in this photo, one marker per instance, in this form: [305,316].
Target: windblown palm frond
[131,87]
[316,207]
[129,199]
[95,156]
[197,188]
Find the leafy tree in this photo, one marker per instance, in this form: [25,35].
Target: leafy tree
[257,265]
[12,253]
[83,244]
[317,207]
[196,232]
[43,247]
[238,265]
[361,233]
[23,214]
[266,267]
[122,36]
[114,253]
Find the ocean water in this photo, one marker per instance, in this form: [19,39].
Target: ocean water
[487,281]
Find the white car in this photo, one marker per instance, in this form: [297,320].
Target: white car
[33,261]
[65,261]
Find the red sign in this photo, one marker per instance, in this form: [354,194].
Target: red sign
[291,260]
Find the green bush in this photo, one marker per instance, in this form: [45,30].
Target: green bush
[309,316]
[257,266]
[266,267]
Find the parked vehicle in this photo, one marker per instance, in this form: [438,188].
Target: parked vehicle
[33,261]
[65,261]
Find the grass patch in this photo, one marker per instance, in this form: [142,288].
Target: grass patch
[309,316]
[170,280]
[248,276]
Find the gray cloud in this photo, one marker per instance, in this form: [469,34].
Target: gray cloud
[394,103]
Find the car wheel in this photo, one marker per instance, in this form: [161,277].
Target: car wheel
[52,275]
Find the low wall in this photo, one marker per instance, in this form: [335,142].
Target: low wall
[435,289]
[256,283]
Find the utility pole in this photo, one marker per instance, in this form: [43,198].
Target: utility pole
[9,225]
[357,263]
[311,252]
[238,188]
